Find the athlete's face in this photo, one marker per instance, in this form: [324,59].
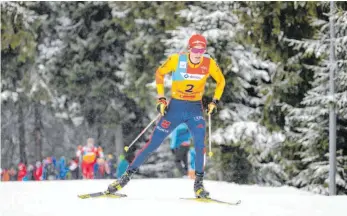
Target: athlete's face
[195,53]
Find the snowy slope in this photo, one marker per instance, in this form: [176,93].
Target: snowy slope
[157,196]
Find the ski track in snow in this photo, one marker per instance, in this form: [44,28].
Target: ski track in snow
[157,197]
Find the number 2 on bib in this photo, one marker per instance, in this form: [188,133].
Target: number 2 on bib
[189,88]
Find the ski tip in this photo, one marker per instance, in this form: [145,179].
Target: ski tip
[83,196]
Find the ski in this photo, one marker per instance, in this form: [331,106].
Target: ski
[119,195]
[211,200]
[101,194]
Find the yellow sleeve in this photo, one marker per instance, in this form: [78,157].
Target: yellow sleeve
[168,66]
[218,76]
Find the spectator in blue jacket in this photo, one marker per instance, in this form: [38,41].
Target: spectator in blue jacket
[122,166]
[62,168]
[179,144]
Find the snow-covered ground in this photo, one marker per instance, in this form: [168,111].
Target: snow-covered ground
[161,197]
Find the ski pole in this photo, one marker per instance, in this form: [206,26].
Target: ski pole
[126,148]
[209,135]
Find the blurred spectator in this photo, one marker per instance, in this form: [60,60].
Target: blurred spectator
[13,174]
[38,171]
[111,168]
[89,154]
[95,170]
[22,172]
[5,175]
[100,171]
[107,169]
[54,161]
[62,168]
[74,168]
[30,172]
[49,171]
[122,165]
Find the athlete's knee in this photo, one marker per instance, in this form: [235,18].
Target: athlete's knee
[200,150]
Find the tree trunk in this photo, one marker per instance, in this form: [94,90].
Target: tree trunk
[8,150]
[99,135]
[12,151]
[38,132]
[220,169]
[21,132]
[119,140]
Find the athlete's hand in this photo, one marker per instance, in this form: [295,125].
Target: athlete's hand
[162,106]
[212,107]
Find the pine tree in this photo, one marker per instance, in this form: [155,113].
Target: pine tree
[267,25]
[19,24]
[81,50]
[146,23]
[308,125]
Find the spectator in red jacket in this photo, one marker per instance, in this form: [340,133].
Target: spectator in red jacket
[38,171]
[22,172]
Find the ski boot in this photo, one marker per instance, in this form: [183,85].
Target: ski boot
[199,189]
[121,182]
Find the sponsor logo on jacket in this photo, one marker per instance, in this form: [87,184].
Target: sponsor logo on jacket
[188,76]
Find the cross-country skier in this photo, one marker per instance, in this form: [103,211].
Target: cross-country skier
[189,75]
[89,154]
